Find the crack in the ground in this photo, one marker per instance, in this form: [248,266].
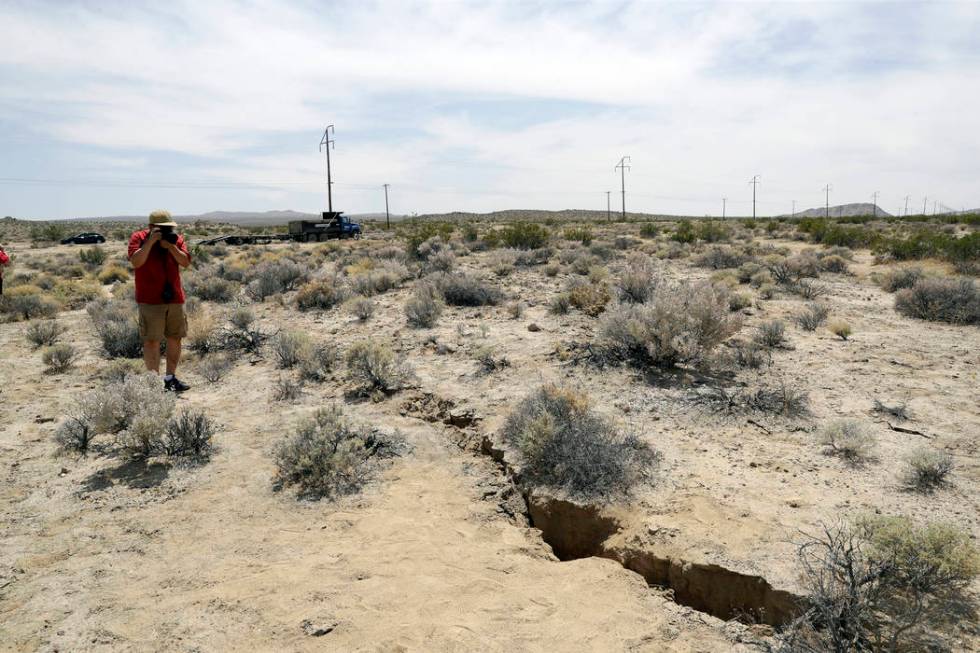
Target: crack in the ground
[575,530]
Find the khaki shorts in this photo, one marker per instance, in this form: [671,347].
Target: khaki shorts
[159,321]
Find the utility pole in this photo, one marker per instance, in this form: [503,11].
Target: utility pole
[608,206]
[907,198]
[826,210]
[326,142]
[754,182]
[934,207]
[874,200]
[387,215]
[924,204]
[623,166]
[724,201]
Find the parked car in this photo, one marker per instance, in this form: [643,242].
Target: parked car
[85,238]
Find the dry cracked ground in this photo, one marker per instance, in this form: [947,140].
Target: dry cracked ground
[440,551]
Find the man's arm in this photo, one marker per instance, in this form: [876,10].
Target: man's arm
[182,258]
[138,258]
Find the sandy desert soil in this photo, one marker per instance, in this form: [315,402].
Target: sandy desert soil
[437,554]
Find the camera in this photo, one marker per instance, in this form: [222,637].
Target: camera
[167,234]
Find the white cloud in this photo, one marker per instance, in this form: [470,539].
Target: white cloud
[869,97]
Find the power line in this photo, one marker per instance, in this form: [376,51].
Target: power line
[874,200]
[623,166]
[387,215]
[608,206]
[827,190]
[754,182]
[327,142]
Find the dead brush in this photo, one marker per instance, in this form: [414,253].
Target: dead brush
[848,439]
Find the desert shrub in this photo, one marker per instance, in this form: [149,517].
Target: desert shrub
[524,235]
[432,247]
[362,308]
[287,388]
[241,334]
[321,294]
[116,325]
[211,287]
[847,438]
[442,261]
[778,398]
[28,305]
[215,368]
[809,290]
[135,409]
[581,234]
[900,278]
[739,300]
[289,348]
[638,280]
[532,257]
[834,263]
[373,368]
[59,358]
[552,269]
[329,456]
[92,256]
[318,362]
[956,301]
[712,232]
[44,333]
[681,323]
[202,334]
[74,434]
[721,257]
[379,279]
[73,294]
[649,230]
[760,279]
[516,310]
[423,308]
[624,242]
[489,361]
[113,273]
[771,334]
[840,328]
[560,304]
[881,584]
[189,433]
[926,469]
[590,298]
[274,278]
[464,290]
[750,355]
[565,445]
[812,317]
[767,290]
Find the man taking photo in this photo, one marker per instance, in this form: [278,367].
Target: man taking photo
[157,254]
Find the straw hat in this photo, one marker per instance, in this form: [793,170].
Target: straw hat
[162,219]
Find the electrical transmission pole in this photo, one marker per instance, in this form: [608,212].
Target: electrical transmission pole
[907,197]
[874,199]
[754,182]
[826,210]
[326,142]
[724,201]
[387,215]
[924,204]
[794,208]
[608,206]
[623,166]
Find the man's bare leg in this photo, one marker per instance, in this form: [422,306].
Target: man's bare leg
[173,355]
[151,355]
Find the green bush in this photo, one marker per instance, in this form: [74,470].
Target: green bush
[956,301]
[329,456]
[93,256]
[372,367]
[524,235]
[581,234]
[564,445]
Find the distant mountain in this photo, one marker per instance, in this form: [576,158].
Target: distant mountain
[842,211]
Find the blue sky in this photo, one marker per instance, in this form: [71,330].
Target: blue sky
[119,108]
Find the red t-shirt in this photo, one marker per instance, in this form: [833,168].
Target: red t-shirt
[4,259]
[159,268]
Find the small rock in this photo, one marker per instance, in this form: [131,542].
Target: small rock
[533,328]
[793,503]
[319,627]
[64,471]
